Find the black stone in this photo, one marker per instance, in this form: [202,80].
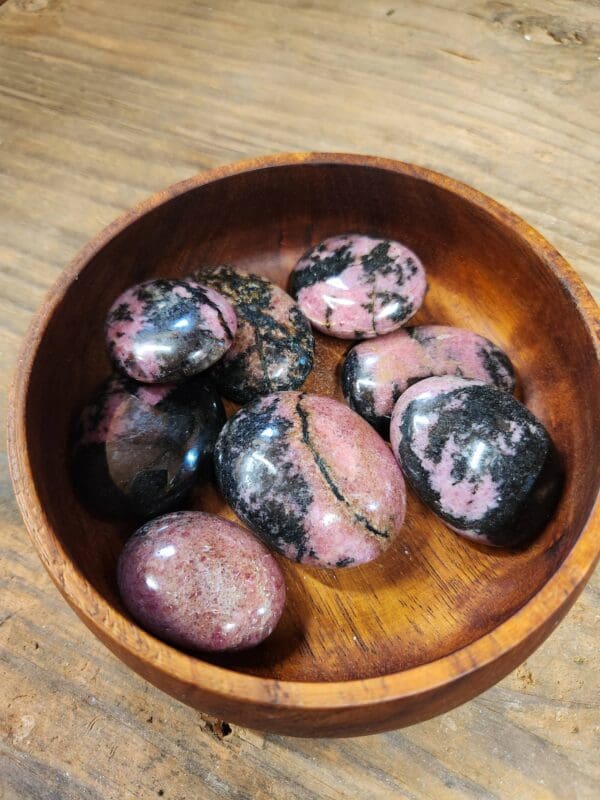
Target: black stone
[288,342]
[132,458]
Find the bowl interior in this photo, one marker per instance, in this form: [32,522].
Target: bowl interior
[434,592]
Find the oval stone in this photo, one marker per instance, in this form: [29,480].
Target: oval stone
[357,287]
[478,458]
[140,449]
[201,582]
[376,372]
[273,349]
[166,330]
[311,478]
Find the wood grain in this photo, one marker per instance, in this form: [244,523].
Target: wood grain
[182,86]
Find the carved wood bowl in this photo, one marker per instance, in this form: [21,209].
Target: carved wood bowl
[437,619]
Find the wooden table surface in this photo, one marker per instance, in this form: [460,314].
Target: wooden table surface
[103,102]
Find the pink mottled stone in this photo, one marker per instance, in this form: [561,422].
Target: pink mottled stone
[378,371]
[312,478]
[356,287]
[201,582]
[477,457]
[168,330]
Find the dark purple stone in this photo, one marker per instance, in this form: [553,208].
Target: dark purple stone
[140,449]
[201,582]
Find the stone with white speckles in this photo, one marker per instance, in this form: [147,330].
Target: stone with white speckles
[273,349]
[201,582]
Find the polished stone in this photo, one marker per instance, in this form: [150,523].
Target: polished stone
[377,371]
[356,287]
[273,349]
[478,458]
[166,330]
[311,478]
[140,449]
[201,582]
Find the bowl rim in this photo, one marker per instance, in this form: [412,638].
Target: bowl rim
[531,623]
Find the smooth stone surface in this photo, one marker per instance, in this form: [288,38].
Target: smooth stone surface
[201,582]
[273,349]
[376,372]
[478,458]
[167,330]
[140,449]
[312,478]
[356,287]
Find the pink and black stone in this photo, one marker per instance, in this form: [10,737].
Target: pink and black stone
[201,583]
[167,330]
[273,349]
[139,449]
[478,458]
[356,287]
[312,479]
[376,372]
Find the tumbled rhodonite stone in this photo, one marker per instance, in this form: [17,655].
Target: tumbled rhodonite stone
[201,582]
[140,448]
[478,458]
[273,349]
[376,372]
[356,287]
[311,478]
[166,330]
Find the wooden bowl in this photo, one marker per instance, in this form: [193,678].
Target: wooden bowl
[437,620]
